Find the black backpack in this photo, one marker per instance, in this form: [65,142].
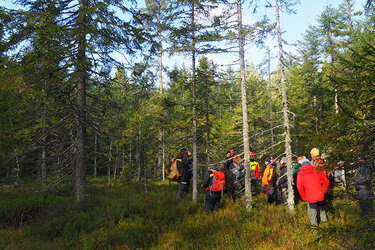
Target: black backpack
[363,176]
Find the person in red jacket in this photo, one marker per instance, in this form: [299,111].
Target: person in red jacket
[312,185]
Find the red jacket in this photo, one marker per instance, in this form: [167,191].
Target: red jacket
[311,184]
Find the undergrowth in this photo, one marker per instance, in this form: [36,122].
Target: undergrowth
[124,216]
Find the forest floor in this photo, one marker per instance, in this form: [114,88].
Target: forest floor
[125,217]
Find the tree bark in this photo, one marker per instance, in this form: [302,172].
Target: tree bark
[80,170]
[195,159]
[163,159]
[207,125]
[109,164]
[245,125]
[160,52]
[44,150]
[139,167]
[95,155]
[288,149]
[270,91]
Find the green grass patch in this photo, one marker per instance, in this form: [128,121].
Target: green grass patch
[124,216]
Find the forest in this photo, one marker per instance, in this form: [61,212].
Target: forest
[92,114]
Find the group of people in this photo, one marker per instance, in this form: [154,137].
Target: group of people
[312,182]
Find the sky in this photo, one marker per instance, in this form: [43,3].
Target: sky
[293,26]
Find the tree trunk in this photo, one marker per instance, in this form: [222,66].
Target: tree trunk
[270,91]
[44,151]
[160,158]
[116,163]
[80,170]
[195,159]
[139,177]
[145,183]
[207,126]
[18,173]
[245,125]
[160,52]
[130,160]
[288,149]
[109,164]
[316,114]
[95,155]
[163,162]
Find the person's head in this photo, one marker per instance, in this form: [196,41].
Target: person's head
[361,157]
[183,151]
[294,158]
[211,166]
[323,156]
[302,160]
[252,155]
[314,152]
[267,161]
[228,154]
[231,151]
[283,161]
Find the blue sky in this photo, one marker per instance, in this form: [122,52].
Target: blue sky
[294,26]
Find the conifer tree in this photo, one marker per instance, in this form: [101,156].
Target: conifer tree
[88,32]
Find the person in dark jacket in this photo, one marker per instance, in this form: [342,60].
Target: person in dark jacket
[233,171]
[362,184]
[282,182]
[212,199]
[184,165]
[296,168]
[312,185]
[229,178]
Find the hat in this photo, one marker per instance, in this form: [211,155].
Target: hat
[305,160]
[252,154]
[324,155]
[300,158]
[267,160]
[283,159]
[314,152]
[212,166]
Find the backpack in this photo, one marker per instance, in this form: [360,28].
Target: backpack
[267,175]
[218,181]
[320,163]
[363,177]
[171,171]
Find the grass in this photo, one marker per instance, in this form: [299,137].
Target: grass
[124,217]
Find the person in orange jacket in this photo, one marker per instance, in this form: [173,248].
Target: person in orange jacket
[312,184]
[268,180]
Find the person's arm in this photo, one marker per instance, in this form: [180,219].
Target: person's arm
[300,187]
[324,180]
[257,171]
[206,179]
